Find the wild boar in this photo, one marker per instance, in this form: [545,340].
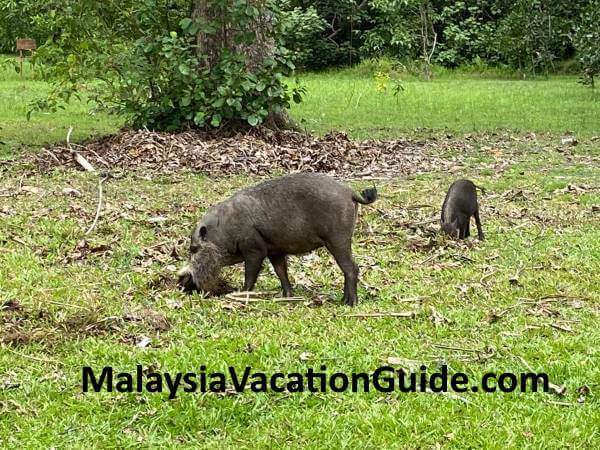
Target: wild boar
[291,215]
[459,205]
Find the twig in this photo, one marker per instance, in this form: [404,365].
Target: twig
[561,328]
[449,347]
[34,358]
[97,208]
[426,260]
[80,159]
[552,402]
[417,206]
[486,276]
[65,304]
[409,300]
[559,297]
[19,241]
[389,314]
[243,295]
[525,363]
[264,300]
[52,155]
[161,243]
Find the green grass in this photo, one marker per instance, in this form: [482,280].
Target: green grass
[86,300]
[349,100]
[344,100]
[16,93]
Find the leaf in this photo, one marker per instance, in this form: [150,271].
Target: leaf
[31,189]
[557,389]
[185,23]
[71,192]
[562,327]
[216,120]
[395,361]
[436,318]
[143,342]
[186,101]
[185,70]
[158,219]
[253,120]
[305,356]
[247,85]
[200,118]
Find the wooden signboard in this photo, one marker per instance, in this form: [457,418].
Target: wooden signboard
[25,45]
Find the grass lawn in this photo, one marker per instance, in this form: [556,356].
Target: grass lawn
[522,300]
[345,100]
[16,93]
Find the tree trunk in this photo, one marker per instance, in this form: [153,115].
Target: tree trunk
[262,46]
[428,37]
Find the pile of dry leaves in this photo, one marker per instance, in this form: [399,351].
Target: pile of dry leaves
[258,152]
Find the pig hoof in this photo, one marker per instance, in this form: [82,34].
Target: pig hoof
[350,301]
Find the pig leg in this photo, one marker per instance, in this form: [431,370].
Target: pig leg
[279,263]
[343,256]
[466,227]
[478,223]
[252,265]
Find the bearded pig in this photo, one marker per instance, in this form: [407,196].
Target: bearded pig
[459,205]
[291,215]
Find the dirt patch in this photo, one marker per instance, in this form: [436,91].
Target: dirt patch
[258,152]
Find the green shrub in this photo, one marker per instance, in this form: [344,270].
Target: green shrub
[160,80]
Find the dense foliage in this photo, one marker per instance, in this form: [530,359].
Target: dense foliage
[526,35]
[142,60]
[587,42]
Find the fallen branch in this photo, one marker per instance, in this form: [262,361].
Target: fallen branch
[407,314]
[245,295]
[449,347]
[52,155]
[80,159]
[237,298]
[552,402]
[98,208]
[34,358]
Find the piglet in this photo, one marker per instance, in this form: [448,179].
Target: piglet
[291,215]
[459,205]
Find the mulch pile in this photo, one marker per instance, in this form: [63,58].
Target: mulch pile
[258,152]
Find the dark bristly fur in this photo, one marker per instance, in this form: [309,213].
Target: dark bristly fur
[290,215]
[459,205]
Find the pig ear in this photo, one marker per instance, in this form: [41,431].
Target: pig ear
[202,232]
